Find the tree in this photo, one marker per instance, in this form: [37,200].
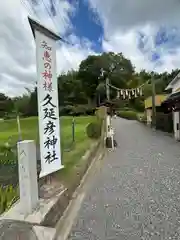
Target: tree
[100,93]
[21,103]
[70,89]
[90,72]
[6,105]
[32,106]
[87,85]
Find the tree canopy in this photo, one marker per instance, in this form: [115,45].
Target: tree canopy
[86,86]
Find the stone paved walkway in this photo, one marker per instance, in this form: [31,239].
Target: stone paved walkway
[136,194]
[15,230]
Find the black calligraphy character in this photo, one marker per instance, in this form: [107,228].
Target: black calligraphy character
[49,113]
[47,57]
[50,128]
[51,157]
[47,86]
[48,100]
[47,65]
[47,75]
[44,45]
[50,142]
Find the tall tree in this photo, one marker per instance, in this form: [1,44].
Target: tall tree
[70,89]
[32,107]
[90,72]
[6,105]
[21,104]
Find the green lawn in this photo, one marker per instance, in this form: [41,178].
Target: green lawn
[29,127]
[72,159]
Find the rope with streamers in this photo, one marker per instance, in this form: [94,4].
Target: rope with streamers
[128,93]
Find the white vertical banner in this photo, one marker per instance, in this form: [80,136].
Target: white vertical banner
[48,108]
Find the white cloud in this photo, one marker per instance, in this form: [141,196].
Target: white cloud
[70,56]
[60,21]
[17,47]
[118,14]
[127,43]
[123,20]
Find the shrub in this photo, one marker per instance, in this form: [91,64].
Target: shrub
[8,154]
[100,113]
[66,110]
[8,196]
[8,116]
[125,109]
[90,110]
[141,117]
[93,130]
[130,115]
[78,110]
[144,119]
[8,175]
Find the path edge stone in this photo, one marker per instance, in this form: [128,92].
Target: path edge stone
[51,220]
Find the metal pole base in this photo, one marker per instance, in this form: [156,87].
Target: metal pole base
[111,143]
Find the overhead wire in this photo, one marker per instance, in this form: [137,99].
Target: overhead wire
[26,5]
[31,9]
[51,17]
[63,40]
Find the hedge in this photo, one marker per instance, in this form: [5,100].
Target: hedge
[141,117]
[130,115]
[8,155]
[76,110]
[93,130]
[8,196]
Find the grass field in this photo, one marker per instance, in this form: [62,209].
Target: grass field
[29,127]
[72,159]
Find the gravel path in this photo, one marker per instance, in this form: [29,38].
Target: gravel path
[136,194]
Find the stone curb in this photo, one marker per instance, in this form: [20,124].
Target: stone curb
[47,231]
[64,224]
[52,217]
[49,226]
[56,213]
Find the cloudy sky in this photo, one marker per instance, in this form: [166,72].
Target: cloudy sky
[146,31]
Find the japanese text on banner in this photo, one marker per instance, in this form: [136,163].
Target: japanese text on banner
[49,116]
[47,60]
